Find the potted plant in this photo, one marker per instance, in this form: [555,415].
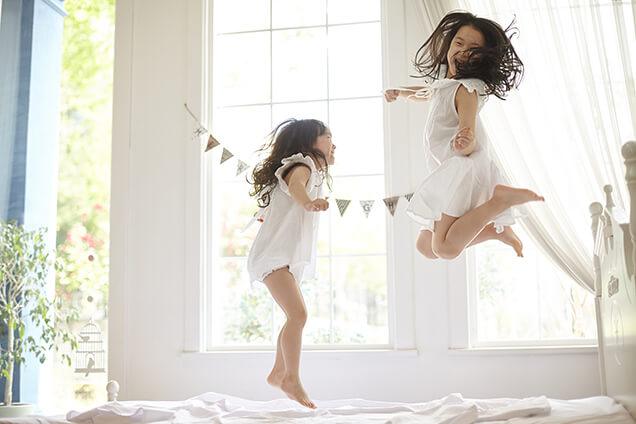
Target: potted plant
[24,266]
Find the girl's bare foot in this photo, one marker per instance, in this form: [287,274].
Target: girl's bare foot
[511,196]
[275,377]
[509,237]
[294,390]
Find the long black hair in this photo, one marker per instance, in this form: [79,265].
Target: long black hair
[496,64]
[288,138]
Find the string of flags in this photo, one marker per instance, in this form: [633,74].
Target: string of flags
[390,202]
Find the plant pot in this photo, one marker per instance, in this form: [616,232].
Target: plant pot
[16,410]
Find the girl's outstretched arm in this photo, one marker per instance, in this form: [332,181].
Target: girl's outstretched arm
[297,181]
[391,94]
[466,105]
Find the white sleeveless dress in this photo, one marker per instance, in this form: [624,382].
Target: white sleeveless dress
[458,183]
[288,234]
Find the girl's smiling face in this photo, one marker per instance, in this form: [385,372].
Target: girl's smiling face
[466,38]
[326,146]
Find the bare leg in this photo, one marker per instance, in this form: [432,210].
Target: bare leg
[452,235]
[425,240]
[286,293]
[278,371]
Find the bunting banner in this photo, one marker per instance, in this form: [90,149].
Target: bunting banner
[391,202]
[343,204]
[212,143]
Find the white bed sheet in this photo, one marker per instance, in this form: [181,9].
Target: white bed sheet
[453,409]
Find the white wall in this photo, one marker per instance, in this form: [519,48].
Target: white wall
[150,269]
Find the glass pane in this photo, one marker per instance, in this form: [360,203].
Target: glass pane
[242,69]
[241,314]
[507,294]
[357,129]
[298,13]
[242,130]
[318,301]
[234,238]
[354,233]
[360,300]
[528,298]
[299,64]
[355,60]
[348,11]
[230,16]
[304,110]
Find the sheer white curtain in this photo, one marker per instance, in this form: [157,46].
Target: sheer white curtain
[561,132]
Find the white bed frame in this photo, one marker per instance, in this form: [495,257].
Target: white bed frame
[615,290]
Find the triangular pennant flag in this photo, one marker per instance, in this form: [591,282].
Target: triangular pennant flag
[343,204]
[391,203]
[241,167]
[408,196]
[212,143]
[226,155]
[366,206]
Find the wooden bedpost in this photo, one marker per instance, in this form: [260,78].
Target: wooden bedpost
[629,153]
[112,388]
[596,210]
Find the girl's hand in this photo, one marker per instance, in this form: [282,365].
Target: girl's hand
[463,139]
[316,205]
[391,94]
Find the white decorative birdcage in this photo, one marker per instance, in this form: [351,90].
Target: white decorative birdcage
[90,354]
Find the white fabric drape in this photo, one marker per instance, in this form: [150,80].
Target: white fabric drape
[561,132]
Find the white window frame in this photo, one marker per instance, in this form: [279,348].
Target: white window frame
[198,234]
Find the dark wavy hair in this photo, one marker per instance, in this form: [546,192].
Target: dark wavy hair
[288,138]
[496,64]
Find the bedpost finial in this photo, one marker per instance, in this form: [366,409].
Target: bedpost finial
[596,208]
[609,201]
[629,150]
[112,388]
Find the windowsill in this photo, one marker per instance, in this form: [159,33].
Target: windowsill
[309,354]
[526,350]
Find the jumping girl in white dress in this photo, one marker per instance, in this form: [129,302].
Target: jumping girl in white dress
[464,201]
[288,185]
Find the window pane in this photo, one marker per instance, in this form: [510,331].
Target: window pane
[528,298]
[360,300]
[345,11]
[354,233]
[355,65]
[229,226]
[242,69]
[299,63]
[242,130]
[241,314]
[357,129]
[304,110]
[317,294]
[298,13]
[230,16]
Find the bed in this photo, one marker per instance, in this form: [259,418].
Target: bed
[615,301]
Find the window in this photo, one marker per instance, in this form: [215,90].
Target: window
[527,301]
[301,59]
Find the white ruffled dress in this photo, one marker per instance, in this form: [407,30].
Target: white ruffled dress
[458,183]
[288,234]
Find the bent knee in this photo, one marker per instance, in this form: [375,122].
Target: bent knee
[425,249]
[446,251]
